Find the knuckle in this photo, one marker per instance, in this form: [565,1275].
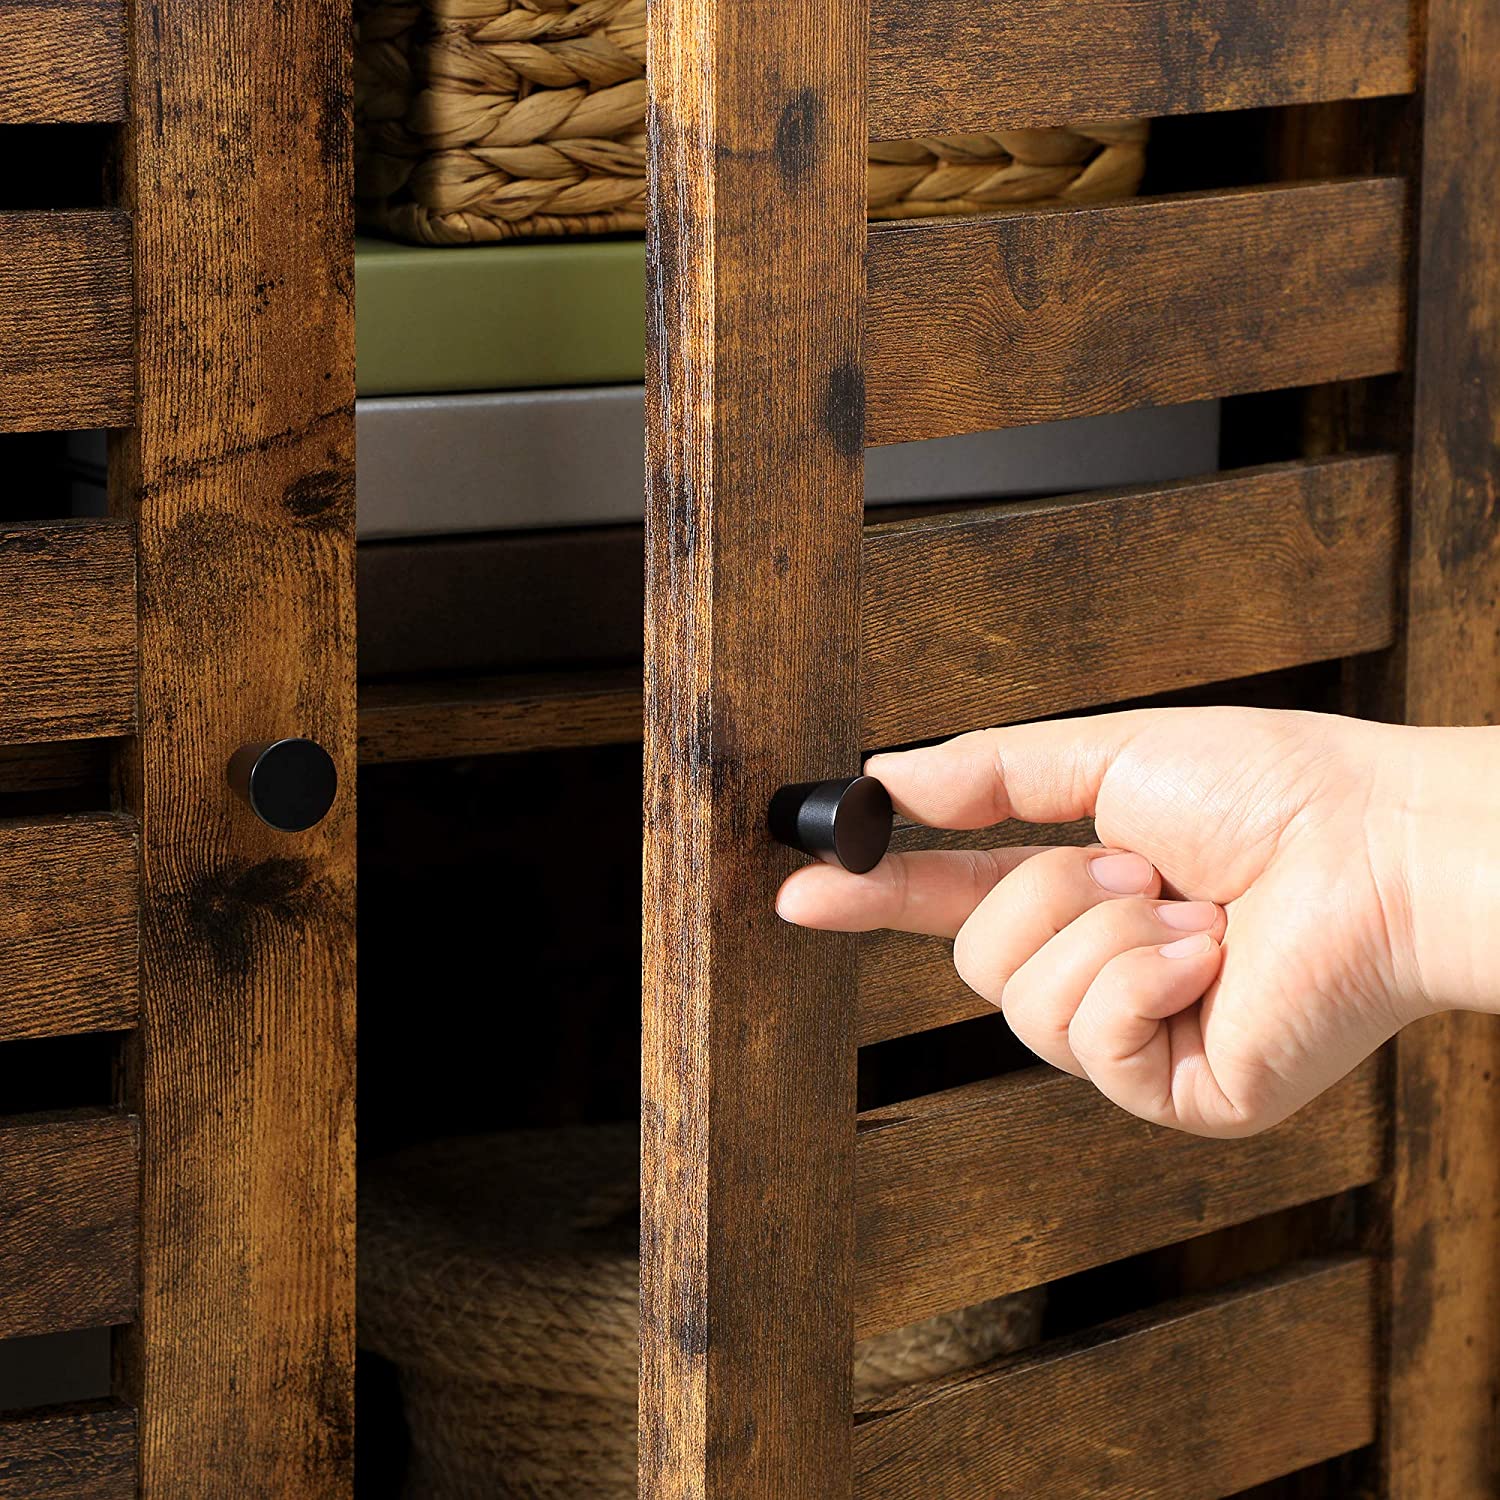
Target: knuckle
[974,963]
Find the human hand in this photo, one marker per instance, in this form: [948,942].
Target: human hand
[1277,894]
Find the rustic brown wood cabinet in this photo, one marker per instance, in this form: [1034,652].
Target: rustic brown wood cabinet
[1312,1313]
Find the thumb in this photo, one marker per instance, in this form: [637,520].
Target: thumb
[1036,773]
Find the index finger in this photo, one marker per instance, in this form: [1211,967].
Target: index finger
[1035,773]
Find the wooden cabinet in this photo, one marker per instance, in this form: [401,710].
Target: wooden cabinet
[787,637]
[1317,249]
[202,309]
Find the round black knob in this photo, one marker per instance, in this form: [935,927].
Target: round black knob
[288,784]
[846,822]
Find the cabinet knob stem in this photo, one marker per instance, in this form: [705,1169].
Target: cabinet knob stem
[846,822]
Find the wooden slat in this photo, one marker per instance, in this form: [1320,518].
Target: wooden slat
[62,61]
[1001,1185]
[497,715]
[1002,321]
[83,1452]
[1203,1398]
[65,320]
[907,983]
[68,1234]
[69,923]
[239,473]
[1439,1434]
[755,445]
[946,66]
[1020,611]
[68,652]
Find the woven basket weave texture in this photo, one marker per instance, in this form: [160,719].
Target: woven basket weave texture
[499,1274]
[484,120]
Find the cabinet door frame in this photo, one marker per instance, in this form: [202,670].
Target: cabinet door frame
[238,477]
[755,461]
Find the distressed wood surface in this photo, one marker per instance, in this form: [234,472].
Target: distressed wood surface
[754,494]
[1005,1184]
[1200,1398]
[62,61]
[82,1452]
[65,319]
[944,66]
[1023,610]
[68,1235]
[404,721]
[1069,312]
[69,922]
[68,652]
[1440,1433]
[240,476]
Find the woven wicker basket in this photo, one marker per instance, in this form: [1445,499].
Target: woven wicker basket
[481,120]
[499,1274]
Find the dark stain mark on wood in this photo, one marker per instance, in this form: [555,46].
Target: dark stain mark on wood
[234,908]
[797,133]
[322,498]
[844,412]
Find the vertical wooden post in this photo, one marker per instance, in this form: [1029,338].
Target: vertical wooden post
[239,476]
[756,430]
[1442,1431]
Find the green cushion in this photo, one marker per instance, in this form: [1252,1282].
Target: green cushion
[498,317]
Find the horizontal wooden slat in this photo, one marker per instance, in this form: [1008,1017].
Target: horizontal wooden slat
[62,61]
[497,715]
[1031,317]
[1005,1184]
[69,922]
[68,1233]
[68,652]
[1020,611]
[84,1452]
[1203,1398]
[945,66]
[66,320]
[907,983]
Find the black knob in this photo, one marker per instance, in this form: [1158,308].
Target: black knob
[289,784]
[846,822]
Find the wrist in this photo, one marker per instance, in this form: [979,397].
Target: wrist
[1438,826]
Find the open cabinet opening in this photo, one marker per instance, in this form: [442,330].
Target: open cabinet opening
[501,467]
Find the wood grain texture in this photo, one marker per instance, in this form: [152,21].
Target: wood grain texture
[240,476]
[68,654]
[944,66]
[62,62]
[755,449]
[68,1236]
[1441,1440]
[1023,610]
[1070,312]
[83,1452]
[69,926]
[1005,1184]
[1198,1399]
[65,320]
[408,721]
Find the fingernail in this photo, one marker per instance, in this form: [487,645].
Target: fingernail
[1188,916]
[1188,947]
[1121,874]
